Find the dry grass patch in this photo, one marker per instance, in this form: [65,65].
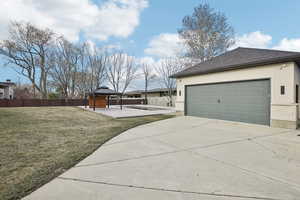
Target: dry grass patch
[38,144]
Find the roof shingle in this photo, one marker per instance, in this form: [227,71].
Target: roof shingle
[239,58]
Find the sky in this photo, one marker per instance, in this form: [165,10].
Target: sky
[147,29]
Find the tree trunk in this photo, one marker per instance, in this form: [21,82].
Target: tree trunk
[146,93]
[170,96]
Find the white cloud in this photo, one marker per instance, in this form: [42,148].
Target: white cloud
[113,47]
[116,18]
[258,39]
[255,39]
[169,44]
[165,45]
[288,45]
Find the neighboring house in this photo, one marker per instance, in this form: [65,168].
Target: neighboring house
[247,85]
[158,96]
[158,92]
[7,89]
[133,94]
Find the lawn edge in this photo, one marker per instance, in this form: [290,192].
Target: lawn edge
[57,174]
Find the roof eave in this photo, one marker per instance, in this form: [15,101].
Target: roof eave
[234,67]
[100,93]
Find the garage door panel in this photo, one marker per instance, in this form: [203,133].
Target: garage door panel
[247,101]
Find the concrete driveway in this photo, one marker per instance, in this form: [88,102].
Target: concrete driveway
[186,158]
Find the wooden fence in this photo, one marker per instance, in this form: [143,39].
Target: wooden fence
[60,102]
[40,102]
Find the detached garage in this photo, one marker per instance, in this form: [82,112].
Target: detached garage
[246,85]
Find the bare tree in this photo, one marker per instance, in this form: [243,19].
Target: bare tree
[64,61]
[27,49]
[84,77]
[23,91]
[206,33]
[121,70]
[91,69]
[97,62]
[165,69]
[148,77]
[45,59]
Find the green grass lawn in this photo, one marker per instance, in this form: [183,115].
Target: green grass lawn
[38,144]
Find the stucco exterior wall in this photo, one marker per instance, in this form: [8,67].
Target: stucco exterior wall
[297,82]
[283,107]
[161,101]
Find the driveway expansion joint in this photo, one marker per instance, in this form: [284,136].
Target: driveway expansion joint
[178,150]
[150,136]
[186,160]
[248,171]
[169,190]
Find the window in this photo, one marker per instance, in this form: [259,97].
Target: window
[297,93]
[179,92]
[282,90]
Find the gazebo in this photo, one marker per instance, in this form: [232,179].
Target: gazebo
[99,98]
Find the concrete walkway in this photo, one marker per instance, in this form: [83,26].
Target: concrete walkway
[132,110]
[186,158]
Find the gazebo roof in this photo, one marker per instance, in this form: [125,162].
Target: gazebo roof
[105,91]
